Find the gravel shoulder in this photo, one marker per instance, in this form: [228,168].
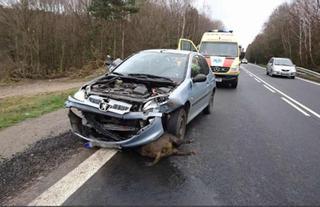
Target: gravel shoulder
[19,137]
[38,86]
[30,172]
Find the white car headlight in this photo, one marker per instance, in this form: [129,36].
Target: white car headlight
[80,95]
[235,68]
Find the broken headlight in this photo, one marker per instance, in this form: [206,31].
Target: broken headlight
[150,105]
[80,95]
[154,103]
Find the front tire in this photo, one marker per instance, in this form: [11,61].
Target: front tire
[209,108]
[234,83]
[271,73]
[177,123]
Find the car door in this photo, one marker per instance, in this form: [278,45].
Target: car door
[188,45]
[211,84]
[199,93]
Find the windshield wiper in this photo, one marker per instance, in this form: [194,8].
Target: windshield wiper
[141,75]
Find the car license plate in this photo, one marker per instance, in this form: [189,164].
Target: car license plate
[218,79]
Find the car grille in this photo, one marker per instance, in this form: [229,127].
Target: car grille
[94,100]
[219,69]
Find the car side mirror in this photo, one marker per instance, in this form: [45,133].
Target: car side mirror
[199,78]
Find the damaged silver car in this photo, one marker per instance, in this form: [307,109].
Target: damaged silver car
[149,93]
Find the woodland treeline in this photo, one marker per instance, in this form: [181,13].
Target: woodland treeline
[293,30]
[49,38]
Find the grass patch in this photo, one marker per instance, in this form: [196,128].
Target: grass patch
[16,109]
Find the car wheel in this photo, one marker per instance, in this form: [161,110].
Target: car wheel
[209,108]
[177,123]
[271,73]
[234,83]
[293,77]
[267,72]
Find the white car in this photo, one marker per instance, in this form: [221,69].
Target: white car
[244,61]
[281,67]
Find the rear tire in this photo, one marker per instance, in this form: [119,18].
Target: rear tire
[177,123]
[209,108]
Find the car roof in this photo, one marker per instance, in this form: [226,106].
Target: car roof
[184,52]
[281,58]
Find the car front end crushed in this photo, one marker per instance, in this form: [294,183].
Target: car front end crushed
[117,112]
[86,123]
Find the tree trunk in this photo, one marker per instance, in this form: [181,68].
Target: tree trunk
[122,40]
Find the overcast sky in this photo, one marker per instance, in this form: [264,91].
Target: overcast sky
[245,17]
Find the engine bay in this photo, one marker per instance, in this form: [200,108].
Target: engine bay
[132,90]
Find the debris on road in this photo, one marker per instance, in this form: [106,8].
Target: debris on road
[37,161]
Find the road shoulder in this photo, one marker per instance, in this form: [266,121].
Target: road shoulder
[19,137]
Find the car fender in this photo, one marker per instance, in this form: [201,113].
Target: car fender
[180,96]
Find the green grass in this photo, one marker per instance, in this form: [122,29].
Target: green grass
[16,109]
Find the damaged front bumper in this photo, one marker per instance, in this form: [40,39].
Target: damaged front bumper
[146,134]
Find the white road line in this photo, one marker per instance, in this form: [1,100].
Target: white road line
[296,107]
[257,80]
[267,87]
[57,194]
[315,83]
[288,97]
[308,81]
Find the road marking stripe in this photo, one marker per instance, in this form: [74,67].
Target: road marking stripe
[257,80]
[309,81]
[267,87]
[57,194]
[288,97]
[296,107]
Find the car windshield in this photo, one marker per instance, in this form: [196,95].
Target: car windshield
[224,49]
[168,65]
[286,62]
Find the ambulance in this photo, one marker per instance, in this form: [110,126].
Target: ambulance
[222,52]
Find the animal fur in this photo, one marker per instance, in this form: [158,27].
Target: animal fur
[165,146]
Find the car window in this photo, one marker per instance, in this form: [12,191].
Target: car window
[186,45]
[199,66]
[283,61]
[204,66]
[226,49]
[195,66]
[169,65]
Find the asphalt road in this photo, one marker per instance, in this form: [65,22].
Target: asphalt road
[255,149]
